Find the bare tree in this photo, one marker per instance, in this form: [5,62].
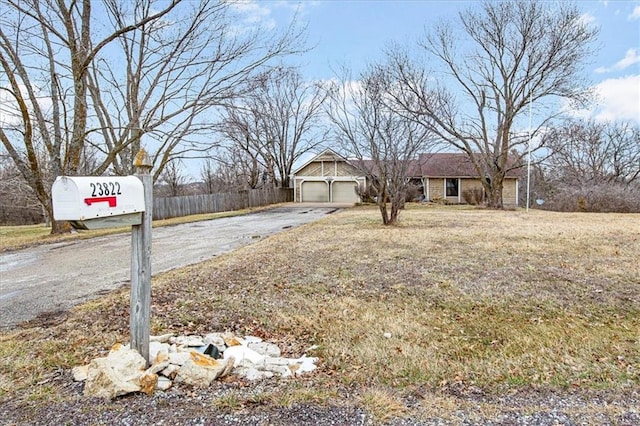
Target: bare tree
[242,155]
[277,122]
[235,170]
[593,166]
[587,153]
[498,61]
[172,64]
[46,49]
[177,71]
[384,143]
[172,180]
[208,177]
[18,203]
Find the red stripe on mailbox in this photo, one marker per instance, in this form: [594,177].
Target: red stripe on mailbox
[111,200]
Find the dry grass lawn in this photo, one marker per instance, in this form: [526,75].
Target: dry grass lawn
[495,300]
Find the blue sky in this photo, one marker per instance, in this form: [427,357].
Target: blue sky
[354,32]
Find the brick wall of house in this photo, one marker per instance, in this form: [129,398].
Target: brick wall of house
[436,189]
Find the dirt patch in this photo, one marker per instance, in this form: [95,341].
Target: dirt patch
[46,319]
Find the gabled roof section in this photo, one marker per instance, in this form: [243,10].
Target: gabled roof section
[450,165]
[446,165]
[326,155]
[371,167]
[435,165]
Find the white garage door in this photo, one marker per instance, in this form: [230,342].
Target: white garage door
[345,192]
[315,192]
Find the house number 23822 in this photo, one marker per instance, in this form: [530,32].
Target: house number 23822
[105,188]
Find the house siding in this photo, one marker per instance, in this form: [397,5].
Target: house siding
[436,189]
[470,185]
[320,169]
[510,193]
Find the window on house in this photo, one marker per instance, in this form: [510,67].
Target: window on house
[452,187]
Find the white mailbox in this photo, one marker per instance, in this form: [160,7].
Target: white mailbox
[94,202]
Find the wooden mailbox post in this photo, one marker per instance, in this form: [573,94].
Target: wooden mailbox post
[95,202]
[140,307]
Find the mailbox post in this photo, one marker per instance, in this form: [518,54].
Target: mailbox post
[96,202]
[140,306]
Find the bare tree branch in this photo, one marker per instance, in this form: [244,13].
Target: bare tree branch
[514,53]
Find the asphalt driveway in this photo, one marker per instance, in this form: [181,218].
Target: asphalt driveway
[55,277]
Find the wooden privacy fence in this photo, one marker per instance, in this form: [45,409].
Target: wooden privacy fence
[167,207]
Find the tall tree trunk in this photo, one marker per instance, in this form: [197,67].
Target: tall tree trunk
[494,196]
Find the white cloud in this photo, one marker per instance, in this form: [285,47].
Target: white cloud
[630,58]
[301,8]
[587,18]
[254,13]
[619,99]
[10,114]
[635,14]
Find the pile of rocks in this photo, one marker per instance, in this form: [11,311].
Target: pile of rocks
[194,360]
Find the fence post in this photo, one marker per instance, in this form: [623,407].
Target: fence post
[140,306]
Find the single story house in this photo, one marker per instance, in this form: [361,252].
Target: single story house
[330,178]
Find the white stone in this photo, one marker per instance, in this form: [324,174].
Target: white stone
[242,354]
[252,374]
[189,341]
[231,339]
[116,374]
[252,339]
[105,381]
[158,367]
[265,348]
[213,336]
[170,371]
[158,352]
[277,361]
[281,370]
[126,361]
[304,365]
[80,373]
[164,338]
[387,335]
[123,370]
[179,358]
[163,383]
[216,340]
[286,373]
[245,363]
[200,370]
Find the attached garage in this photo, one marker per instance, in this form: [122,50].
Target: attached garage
[314,192]
[327,178]
[344,192]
